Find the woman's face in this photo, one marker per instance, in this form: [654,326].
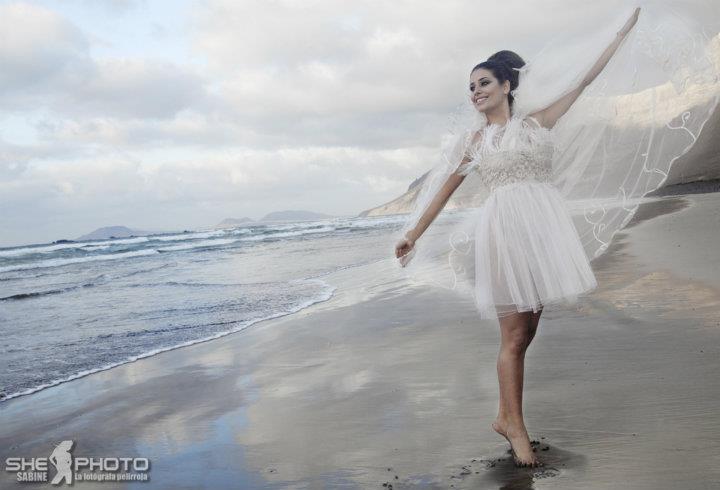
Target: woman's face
[486,93]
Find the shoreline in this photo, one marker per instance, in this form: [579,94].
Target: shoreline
[307,304]
[694,187]
[384,375]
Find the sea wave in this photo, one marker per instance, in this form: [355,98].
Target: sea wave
[101,279]
[201,244]
[75,260]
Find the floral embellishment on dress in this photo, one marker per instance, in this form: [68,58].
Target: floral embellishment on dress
[520,151]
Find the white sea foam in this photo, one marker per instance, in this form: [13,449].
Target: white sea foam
[203,243]
[284,234]
[189,236]
[75,260]
[17,252]
[85,245]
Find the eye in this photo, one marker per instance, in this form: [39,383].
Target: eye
[485,82]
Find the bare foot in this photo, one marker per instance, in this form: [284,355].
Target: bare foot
[519,443]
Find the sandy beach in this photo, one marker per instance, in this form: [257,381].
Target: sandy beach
[390,384]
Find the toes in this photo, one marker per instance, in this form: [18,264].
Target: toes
[528,464]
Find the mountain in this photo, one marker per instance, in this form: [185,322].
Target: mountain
[233,222]
[295,216]
[399,204]
[113,232]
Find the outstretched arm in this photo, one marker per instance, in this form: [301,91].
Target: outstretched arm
[405,245]
[437,205]
[550,115]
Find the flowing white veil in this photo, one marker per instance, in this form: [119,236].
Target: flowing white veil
[615,144]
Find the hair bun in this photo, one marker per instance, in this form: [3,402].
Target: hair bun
[508,58]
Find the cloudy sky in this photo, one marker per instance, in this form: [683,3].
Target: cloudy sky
[175,114]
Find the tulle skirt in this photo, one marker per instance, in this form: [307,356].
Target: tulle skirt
[528,253]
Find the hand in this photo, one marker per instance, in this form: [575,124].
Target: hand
[630,23]
[403,249]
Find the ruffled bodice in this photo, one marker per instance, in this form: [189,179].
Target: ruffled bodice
[520,151]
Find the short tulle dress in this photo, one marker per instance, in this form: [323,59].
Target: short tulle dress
[528,253]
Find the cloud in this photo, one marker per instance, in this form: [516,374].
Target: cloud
[126,88]
[335,72]
[47,64]
[114,6]
[46,48]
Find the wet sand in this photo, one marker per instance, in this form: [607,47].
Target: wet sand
[387,383]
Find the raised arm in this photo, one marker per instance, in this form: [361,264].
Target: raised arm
[453,181]
[550,115]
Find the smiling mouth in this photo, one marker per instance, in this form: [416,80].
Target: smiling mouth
[480,99]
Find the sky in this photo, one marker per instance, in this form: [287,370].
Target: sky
[171,115]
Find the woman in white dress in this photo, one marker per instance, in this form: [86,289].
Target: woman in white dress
[528,254]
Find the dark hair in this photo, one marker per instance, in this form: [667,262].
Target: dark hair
[504,66]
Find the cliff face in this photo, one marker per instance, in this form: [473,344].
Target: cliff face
[702,162]
[400,204]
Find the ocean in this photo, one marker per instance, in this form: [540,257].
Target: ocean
[71,309]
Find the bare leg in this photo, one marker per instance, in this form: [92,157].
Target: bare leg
[534,320]
[517,331]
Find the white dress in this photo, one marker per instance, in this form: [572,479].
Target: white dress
[527,251]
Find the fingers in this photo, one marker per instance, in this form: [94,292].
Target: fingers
[403,251]
[404,258]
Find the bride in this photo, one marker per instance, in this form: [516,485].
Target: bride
[527,252]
